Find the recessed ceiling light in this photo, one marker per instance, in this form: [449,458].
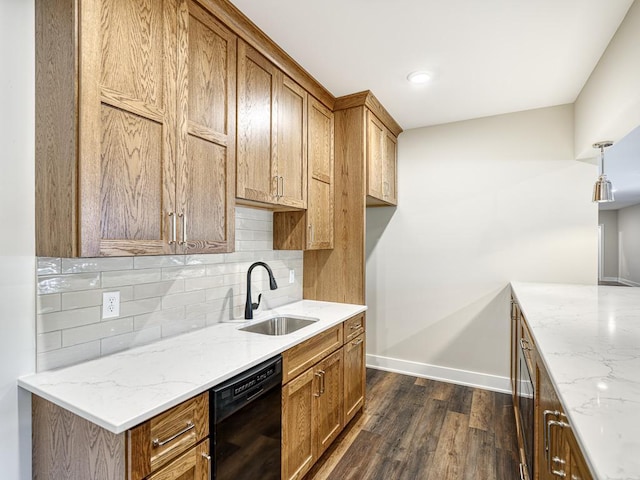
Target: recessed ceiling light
[419,77]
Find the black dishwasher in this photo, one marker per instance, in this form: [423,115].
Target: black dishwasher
[245,428]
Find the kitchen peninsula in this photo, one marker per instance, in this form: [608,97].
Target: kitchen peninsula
[588,338]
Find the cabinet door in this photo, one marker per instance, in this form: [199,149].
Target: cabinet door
[206,153]
[298,442]
[354,377]
[375,153]
[389,169]
[192,465]
[321,187]
[127,126]
[330,401]
[291,187]
[257,126]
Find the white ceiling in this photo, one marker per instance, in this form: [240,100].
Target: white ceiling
[488,56]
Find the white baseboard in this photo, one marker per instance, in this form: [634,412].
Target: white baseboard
[442,374]
[611,279]
[631,283]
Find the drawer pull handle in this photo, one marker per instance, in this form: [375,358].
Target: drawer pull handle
[159,443]
[353,327]
[357,342]
[319,392]
[207,456]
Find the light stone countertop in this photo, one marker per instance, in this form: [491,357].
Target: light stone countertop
[589,341]
[125,389]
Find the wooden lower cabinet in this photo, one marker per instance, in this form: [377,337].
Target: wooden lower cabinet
[173,445]
[298,445]
[319,402]
[556,453]
[192,465]
[312,415]
[354,377]
[329,400]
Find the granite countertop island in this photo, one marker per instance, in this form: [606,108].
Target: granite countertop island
[589,340]
[125,389]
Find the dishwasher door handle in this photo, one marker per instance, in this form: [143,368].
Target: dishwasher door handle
[254,395]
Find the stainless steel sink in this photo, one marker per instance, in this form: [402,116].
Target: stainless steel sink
[281,325]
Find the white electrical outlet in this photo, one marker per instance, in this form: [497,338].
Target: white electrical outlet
[110,304]
[292,276]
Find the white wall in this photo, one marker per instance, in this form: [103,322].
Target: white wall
[481,203]
[17,261]
[608,106]
[609,221]
[629,245]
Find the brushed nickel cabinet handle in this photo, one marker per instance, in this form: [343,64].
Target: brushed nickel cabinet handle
[521,471]
[282,189]
[545,414]
[355,326]
[525,347]
[319,392]
[172,219]
[322,372]
[207,456]
[357,342]
[183,216]
[159,443]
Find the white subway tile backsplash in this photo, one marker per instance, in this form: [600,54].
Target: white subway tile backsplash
[91,298]
[48,266]
[48,322]
[181,299]
[67,356]
[159,261]
[67,283]
[158,289]
[48,303]
[158,317]
[203,283]
[205,259]
[130,277]
[191,271]
[160,296]
[96,331]
[49,341]
[83,265]
[129,340]
[138,307]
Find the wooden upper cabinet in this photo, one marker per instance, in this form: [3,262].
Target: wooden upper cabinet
[143,162]
[127,126]
[291,147]
[381,163]
[272,123]
[312,229]
[257,121]
[205,171]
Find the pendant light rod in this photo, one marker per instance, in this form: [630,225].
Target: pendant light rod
[602,190]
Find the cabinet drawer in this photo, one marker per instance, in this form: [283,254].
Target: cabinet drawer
[299,358]
[165,436]
[354,327]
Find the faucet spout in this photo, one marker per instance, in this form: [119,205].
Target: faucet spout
[249,307]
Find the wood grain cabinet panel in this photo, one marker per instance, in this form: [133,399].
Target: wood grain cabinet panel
[381,163]
[299,447]
[195,464]
[354,376]
[151,78]
[312,229]
[205,171]
[556,453]
[272,134]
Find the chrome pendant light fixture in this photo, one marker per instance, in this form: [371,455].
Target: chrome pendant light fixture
[602,190]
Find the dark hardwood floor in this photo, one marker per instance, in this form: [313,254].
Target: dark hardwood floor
[418,429]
